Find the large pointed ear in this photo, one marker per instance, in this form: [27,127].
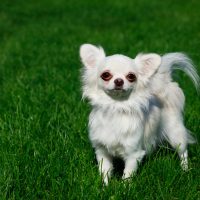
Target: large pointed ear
[147,64]
[91,55]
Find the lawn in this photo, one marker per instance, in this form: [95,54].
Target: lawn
[45,152]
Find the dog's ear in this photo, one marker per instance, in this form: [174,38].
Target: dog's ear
[91,55]
[147,64]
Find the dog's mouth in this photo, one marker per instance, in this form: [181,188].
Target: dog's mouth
[119,93]
[118,89]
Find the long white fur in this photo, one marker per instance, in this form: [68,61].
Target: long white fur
[131,123]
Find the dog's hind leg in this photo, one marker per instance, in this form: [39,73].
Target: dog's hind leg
[177,135]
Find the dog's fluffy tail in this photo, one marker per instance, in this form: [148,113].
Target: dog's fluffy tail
[180,61]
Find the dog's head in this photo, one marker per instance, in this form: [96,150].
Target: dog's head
[117,76]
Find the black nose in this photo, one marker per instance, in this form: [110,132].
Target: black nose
[119,82]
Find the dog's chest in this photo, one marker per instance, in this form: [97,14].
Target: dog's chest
[117,132]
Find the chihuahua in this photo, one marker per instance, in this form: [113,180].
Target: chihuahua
[135,106]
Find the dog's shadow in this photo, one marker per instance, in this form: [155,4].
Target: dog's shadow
[118,167]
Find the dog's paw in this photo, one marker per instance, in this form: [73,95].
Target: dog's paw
[184,165]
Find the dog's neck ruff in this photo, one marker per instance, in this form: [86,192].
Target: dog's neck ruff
[133,105]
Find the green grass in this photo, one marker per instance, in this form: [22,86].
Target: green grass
[44,148]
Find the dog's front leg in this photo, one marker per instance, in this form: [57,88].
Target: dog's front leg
[131,163]
[105,164]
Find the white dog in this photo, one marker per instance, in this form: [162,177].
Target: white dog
[135,104]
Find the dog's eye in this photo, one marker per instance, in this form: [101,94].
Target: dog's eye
[106,76]
[131,77]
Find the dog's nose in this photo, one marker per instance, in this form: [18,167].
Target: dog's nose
[119,82]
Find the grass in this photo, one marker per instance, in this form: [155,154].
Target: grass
[44,148]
